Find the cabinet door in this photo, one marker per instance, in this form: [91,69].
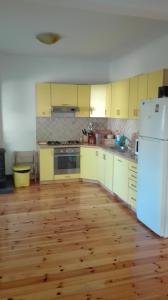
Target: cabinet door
[120,98]
[142,89]
[83,101]
[100,165]
[63,95]
[108,100]
[43,99]
[46,164]
[98,100]
[155,79]
[88,163]
[120,178]
[133,98]
[109,164]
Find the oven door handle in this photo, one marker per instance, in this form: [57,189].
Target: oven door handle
[67,155]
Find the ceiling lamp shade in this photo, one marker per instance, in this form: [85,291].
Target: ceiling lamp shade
[48,38]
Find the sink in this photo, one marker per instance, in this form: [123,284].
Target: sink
[119,148]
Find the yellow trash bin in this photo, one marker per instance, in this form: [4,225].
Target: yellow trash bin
[21,175]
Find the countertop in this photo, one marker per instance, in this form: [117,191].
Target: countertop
[125,154]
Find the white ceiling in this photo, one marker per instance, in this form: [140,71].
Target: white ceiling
[92,29]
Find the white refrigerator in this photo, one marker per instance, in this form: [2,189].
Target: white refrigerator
[152,185]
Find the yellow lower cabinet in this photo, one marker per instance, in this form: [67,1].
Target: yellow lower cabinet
[100,165]
[132,184]
[88,163]
[120,178]
[46,164]
[132,198]
[108,176]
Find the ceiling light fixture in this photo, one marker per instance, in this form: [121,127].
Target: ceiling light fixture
[48,38]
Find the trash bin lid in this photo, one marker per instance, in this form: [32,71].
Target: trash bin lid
[21,168]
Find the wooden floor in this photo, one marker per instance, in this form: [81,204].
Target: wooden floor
[74,241]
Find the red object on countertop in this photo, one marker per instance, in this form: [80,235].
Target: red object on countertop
[91,138]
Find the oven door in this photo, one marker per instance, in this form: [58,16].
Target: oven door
[66,163]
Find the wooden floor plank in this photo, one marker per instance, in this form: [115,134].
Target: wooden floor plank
[74,241]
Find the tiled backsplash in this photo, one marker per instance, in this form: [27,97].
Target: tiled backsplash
[66,127]
[60,127]
[127,127]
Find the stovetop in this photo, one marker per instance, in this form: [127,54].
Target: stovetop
[59,143]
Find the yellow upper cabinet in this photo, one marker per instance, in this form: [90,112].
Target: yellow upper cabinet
[133,98]
[108,100]
[156,79]
[63,94]
[98,100]
[142,88]
[120,98]
[84,100]
[43,99]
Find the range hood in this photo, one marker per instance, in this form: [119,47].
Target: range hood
[65,109]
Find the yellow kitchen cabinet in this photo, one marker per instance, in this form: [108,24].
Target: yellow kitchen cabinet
[63,94]
[101,155]
[156,79]
[120,178]
[108,174]
[142,90]
[46,164]
[132,184]
[133,98]
[120,98]
[83,101]
[132,198]
[138,92]
[88,163]
[43,99]
[108,100]
[98,100]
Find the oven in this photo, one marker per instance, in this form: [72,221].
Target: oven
[66,160]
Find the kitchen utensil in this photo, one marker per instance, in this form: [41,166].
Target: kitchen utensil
[84,131]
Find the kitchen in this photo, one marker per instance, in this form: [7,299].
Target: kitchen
[19,74]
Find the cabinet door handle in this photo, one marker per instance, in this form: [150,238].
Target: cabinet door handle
[117,112]
[104,156]
[97,154]
[133,167]
[119,160]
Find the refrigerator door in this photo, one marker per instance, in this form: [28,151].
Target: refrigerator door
[152,194]
[154,118]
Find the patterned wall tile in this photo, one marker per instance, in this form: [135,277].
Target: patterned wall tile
[65,127]
[126,127]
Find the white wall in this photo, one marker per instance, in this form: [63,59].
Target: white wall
[151,57]
[18,77]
